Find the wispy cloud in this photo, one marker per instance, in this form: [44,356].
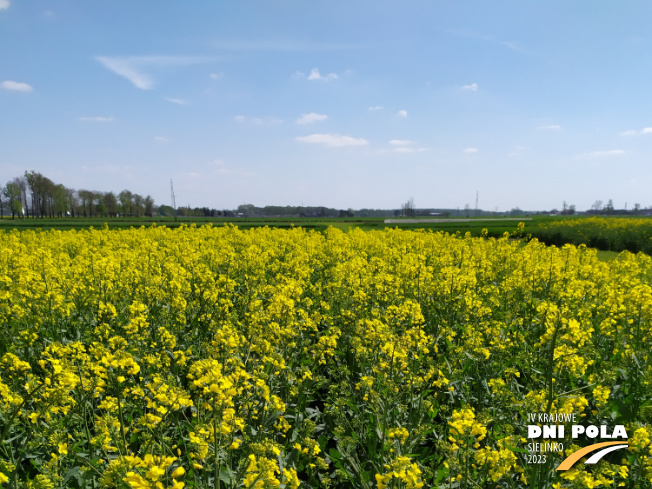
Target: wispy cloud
[602,154]
[490,39]
[127,68]
[376,107]
[96,119]
[311,118]
[470,151]
[402,113]
[473,87]
[280,45]
[517,151]
[551,127]
[220,167]
[407,149]
[333,140]
[4,4]
[216,76]
[16,86]
[513,46]
[161,139]
[178,101]
[402,146]
[315,75]
[645,130]
[257,121]
[137,69]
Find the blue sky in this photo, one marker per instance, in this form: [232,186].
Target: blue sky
[336,103]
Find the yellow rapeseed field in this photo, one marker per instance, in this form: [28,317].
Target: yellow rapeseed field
[215,357]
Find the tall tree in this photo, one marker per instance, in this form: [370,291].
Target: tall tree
[110,203]
[138,208]
[21,182]
[86,198]
[73,201]
[126,202]
[98,204]
[60,200]
[149,206]
[41,189]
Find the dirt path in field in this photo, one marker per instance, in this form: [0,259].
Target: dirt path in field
[414,221]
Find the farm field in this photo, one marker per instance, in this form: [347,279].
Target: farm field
[495,228]
[609,234]
[214,356]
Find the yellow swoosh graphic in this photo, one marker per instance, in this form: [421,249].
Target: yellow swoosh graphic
[570,461]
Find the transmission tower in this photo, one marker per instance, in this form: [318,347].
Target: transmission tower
[476,202]
[174,202]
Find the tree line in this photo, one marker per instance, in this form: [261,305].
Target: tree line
[34,195]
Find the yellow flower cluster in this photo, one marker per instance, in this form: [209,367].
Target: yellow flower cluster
[465,429]
[403,470]
[199,356]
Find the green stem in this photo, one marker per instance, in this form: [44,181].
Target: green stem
[551,358]
[217,458]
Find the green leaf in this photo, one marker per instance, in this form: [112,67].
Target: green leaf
[516,449]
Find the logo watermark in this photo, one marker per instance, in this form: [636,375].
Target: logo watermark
[550,432]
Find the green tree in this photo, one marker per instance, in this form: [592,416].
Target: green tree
[12,192]
[60,200]
[110,203]
[148,204]
[126,202]
[86,198]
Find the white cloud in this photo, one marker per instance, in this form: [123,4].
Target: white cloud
[602,154]
[126,68]
[311,118]
[316,75]
[402,113]
[282,45]
[219,167]
[517,150]
[482,37]
[4,4]
[551,127]
[631,132]
[406,149]
[473,87]
[96,119]
[135,68]
[401,142]
[161,139]
[16,86]
[258,121]
[470,151]
[178,101]
[333,140]
[376,107]
[216,76]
